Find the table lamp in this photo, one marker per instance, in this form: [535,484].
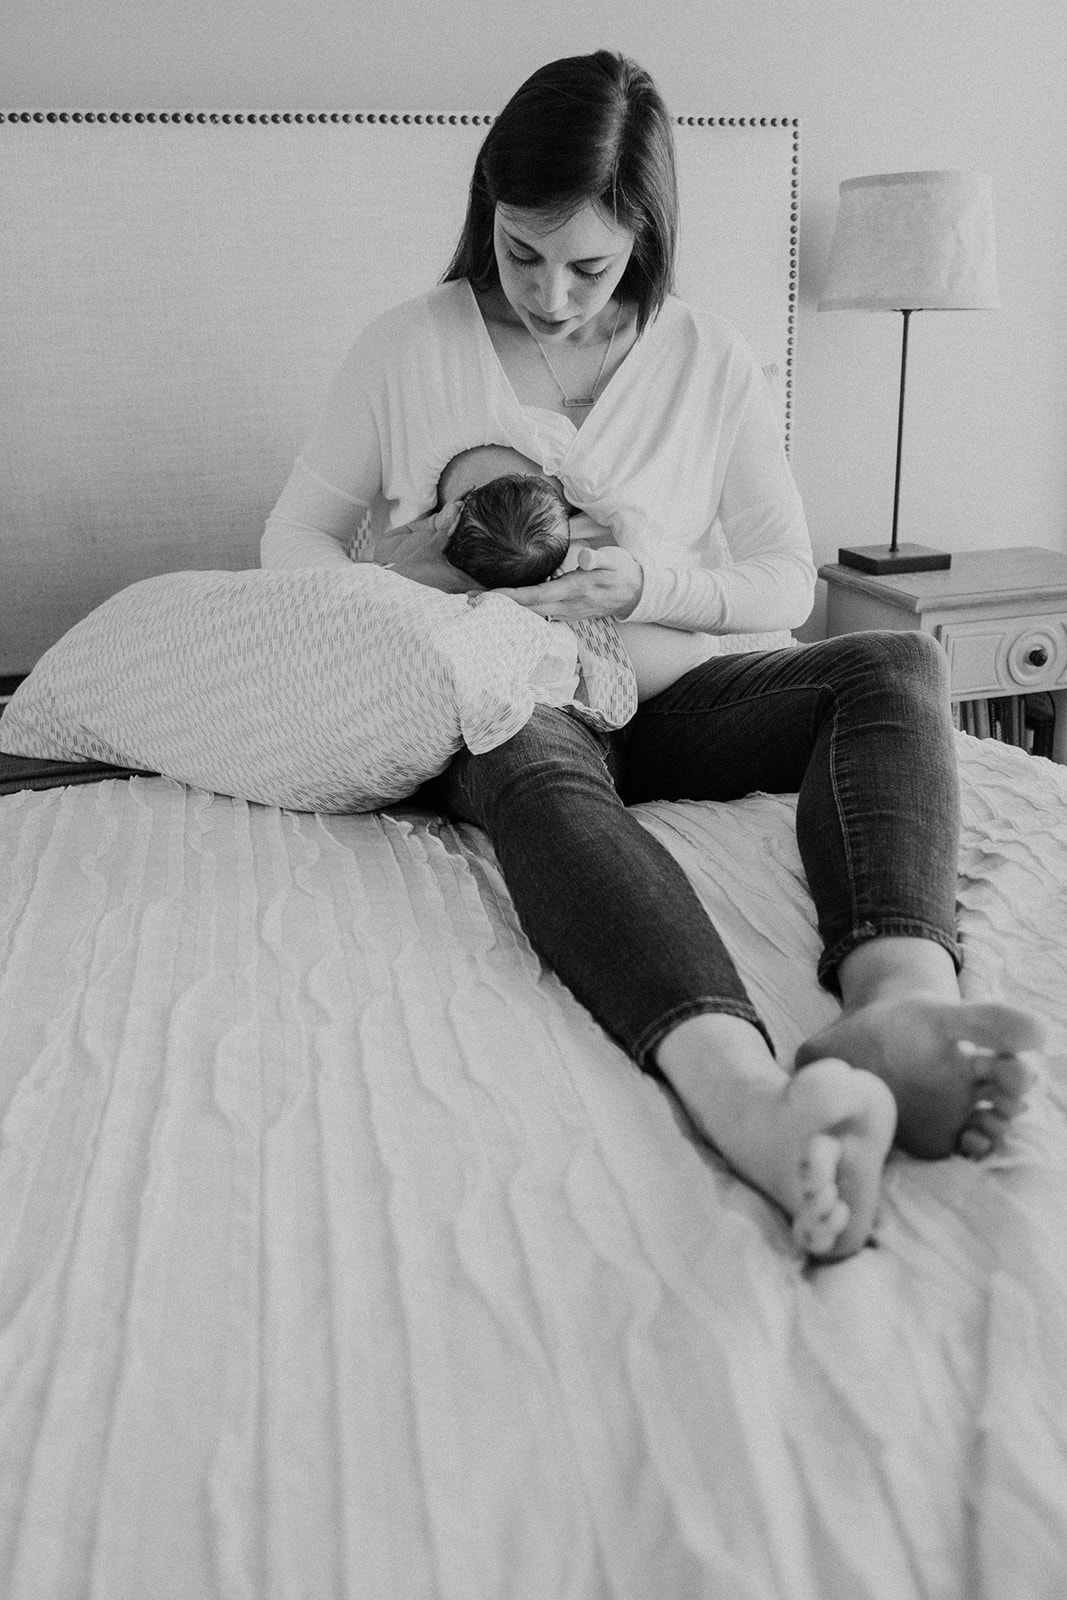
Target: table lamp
[911,241]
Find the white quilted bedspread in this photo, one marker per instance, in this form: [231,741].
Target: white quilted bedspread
[341,1255]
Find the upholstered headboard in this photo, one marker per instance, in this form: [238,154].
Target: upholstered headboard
[176,289]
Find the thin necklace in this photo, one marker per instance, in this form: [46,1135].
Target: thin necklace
[573,403]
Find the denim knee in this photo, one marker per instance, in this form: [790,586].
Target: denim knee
[554,756]
[911,662]
[888,863]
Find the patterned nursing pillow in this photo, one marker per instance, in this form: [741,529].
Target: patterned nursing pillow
[318,689]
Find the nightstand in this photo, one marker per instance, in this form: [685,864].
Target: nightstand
[1000,616]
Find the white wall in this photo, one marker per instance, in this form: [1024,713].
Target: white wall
[880,85]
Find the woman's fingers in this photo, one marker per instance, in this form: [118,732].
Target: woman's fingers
[598,590]
[445,520]
[417,551]
[539,597]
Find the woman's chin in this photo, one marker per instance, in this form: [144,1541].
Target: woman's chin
[543,329]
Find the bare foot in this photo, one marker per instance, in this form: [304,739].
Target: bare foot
[818,1147]
[954,1069]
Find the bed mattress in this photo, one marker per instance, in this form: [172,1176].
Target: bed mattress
[342,1254]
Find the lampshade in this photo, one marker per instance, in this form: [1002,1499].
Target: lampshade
[913,241]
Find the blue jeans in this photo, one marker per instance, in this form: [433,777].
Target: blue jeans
[858,726]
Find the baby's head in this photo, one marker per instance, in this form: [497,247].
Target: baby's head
[514,529]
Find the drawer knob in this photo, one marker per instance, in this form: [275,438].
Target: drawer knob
[1038,656]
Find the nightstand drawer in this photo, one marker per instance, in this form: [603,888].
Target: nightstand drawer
[1017,655]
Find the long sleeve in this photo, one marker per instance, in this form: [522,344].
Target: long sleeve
[337,474]
[769,582]
[421,384]
[312,524]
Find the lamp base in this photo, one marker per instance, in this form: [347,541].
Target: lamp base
[882,560]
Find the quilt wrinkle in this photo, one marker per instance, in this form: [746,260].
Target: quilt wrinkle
[344,1253]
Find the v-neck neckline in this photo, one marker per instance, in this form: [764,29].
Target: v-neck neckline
[576,430]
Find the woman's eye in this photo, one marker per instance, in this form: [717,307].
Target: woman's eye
[530,261]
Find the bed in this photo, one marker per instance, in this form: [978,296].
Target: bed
[341,1253]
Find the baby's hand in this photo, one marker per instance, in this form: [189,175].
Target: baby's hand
[417,551]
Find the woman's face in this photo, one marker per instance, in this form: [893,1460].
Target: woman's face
[557,277]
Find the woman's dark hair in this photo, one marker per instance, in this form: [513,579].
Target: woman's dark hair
[587,128]
[513,529]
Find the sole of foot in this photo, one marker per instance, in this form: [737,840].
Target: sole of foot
[956,1072]
[842,1122]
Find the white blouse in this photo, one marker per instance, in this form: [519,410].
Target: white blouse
[681,458]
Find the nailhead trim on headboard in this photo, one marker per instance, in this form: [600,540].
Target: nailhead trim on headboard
[466,119]
[454,117]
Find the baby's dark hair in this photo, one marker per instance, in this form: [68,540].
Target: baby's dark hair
[511,530]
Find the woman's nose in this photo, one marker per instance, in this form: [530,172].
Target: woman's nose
[551,292]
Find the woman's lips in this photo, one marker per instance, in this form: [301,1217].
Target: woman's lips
[546,325]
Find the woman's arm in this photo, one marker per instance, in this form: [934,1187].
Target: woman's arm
[375,412]
[312,524]
[337,474]
[763,592]
[770,583]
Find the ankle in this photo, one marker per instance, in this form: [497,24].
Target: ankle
[720,1067]
[897,968]
[714,1039]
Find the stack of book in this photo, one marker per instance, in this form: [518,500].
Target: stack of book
[1027,720]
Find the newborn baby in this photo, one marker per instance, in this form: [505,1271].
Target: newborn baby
[516,529]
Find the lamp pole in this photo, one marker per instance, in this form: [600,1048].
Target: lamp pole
[882,560]
[900,428]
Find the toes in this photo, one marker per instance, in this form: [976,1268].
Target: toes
[984,1131]
[823,1215]
[816,1236]
[845,1118]
[1002,1029]
[818,1166]
[993,1094]
[999,1086]
[1006,1074]
[1001,1079]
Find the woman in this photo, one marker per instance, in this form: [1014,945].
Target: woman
[555,333]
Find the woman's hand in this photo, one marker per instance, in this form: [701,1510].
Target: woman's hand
[606,583]
[417,551]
